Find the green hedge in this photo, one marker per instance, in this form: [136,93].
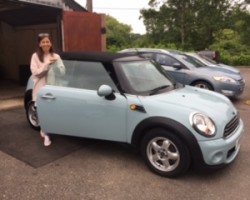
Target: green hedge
[238,60]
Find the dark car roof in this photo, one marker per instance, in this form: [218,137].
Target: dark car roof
[106,57]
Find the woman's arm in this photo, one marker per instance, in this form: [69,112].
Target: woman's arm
[38,68]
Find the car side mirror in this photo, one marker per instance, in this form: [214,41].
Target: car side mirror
[106,91]
[177,66]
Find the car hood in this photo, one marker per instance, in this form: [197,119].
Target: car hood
[180,103]
[221,71]
[228,67]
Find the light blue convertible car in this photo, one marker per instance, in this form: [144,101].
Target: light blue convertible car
[186,70]
[132,100]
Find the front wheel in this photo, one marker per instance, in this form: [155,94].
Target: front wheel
[203,85]
[31,114]
[165,153]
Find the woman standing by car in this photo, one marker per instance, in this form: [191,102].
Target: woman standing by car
[41,61]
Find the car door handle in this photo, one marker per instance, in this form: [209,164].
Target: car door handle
[48,96]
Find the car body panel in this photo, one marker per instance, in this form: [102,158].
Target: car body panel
[185,101]
[215,156]
[86,108]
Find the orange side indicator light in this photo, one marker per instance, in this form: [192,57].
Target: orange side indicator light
[133,107]
[138,108]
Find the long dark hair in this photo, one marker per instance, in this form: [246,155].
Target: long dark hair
[39,50]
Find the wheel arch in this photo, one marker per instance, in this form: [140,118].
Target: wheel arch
[202,80]
[27,97]
[169,124]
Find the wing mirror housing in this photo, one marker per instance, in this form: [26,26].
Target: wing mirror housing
[177,66]
[106,91]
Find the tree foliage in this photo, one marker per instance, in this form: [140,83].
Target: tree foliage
[188,25]
[117,33]
[185,22]
[120,36]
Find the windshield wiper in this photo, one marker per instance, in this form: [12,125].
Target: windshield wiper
[154,91]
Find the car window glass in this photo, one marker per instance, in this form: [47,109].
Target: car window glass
[143,76]
[191,61]
[59,74]
[90,75]
[196,61]
[165,60]
[208,59]
[188,61]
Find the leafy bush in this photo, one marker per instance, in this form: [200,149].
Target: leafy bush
[113,49]
[241,60]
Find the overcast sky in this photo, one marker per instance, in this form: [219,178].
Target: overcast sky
[127,11]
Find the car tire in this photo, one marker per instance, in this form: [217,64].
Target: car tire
[31,114]
[203,85]
[164,153]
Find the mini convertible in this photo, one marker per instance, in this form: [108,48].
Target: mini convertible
[130,99]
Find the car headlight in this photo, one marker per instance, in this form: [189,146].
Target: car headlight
[224,79]
[203,124]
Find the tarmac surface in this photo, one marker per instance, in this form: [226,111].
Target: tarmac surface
[76,168]
[11,95]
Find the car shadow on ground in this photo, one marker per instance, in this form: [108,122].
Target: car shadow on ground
[25,144]
[20,141]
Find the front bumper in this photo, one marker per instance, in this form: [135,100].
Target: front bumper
[222,151]
[232,90]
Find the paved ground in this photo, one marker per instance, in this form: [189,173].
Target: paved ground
[11,95]
[84,169]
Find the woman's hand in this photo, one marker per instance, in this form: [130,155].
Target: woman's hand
[52,61]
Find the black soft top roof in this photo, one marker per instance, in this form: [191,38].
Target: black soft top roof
[93,56]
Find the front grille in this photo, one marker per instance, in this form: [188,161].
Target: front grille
[242,84]
[232,126]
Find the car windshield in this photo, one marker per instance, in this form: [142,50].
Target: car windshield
[143,77]
[208,59]
[189,61]
[199,58]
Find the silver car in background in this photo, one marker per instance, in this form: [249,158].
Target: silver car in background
[188,71]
